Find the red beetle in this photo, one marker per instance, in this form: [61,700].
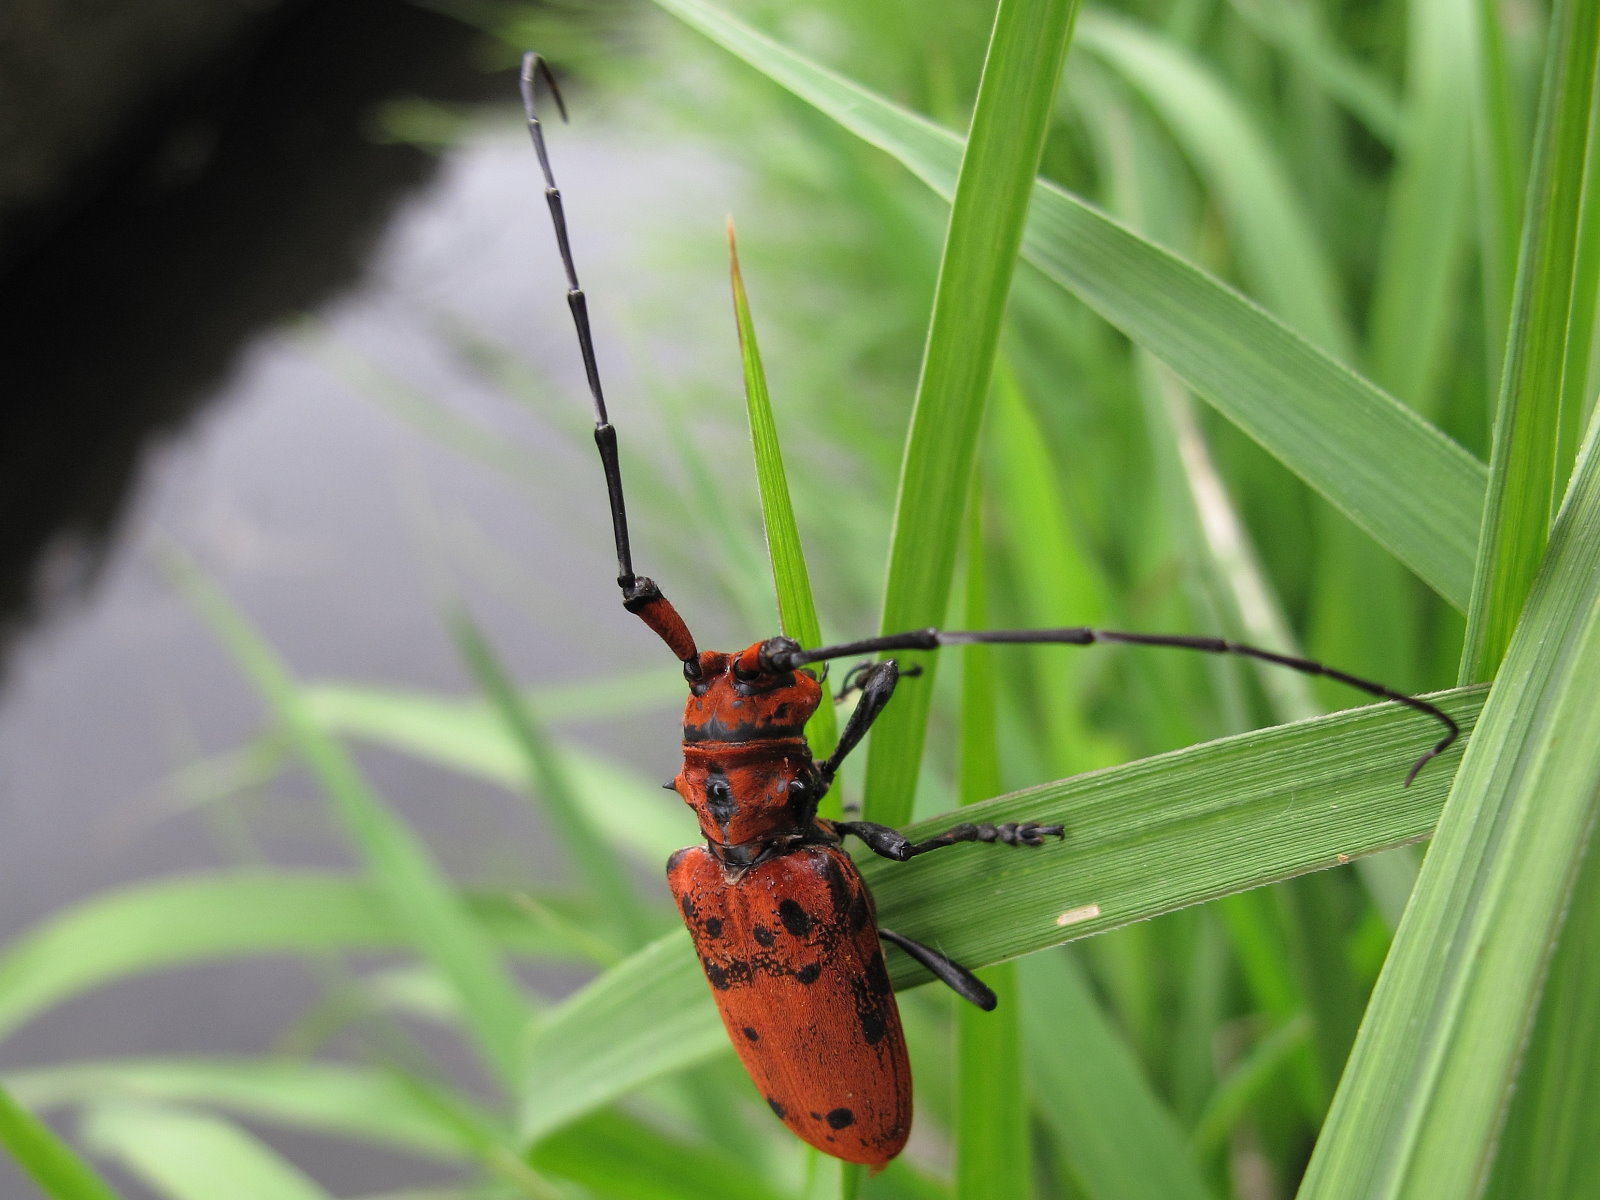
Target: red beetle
[781,919]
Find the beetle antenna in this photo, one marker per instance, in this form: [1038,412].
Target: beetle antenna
[639,595]
[785,658]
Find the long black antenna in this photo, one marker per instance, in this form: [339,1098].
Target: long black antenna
[786,655]
[535,68]
[640,596]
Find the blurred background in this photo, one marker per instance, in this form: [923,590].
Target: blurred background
[281,300]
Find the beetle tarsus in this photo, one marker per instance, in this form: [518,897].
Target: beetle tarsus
[891,843]
[855,680]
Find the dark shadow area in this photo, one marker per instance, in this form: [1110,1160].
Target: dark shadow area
[256,194]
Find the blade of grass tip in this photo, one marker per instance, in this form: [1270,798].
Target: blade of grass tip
[423,900]
[595,860]
[47,1158]
[1433,1070]
[1404,481]
[991,1117]
[826,1178]
[797,612]
[188,1155]
[1524,475]
[1016,98]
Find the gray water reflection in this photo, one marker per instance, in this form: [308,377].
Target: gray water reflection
[342,529]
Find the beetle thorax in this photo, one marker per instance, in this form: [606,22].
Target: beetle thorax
[747,771]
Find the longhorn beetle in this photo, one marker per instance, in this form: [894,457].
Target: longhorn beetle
[780,917]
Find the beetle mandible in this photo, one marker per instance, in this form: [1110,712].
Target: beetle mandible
[781,919]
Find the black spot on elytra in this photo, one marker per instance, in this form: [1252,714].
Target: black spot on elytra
[808,974]
[714,927]
[717,975]
[878,975]
[687,905]
[750,1034]
[860,911]
[873,1026]
[840,1118]
[795,919]
[763,935]
[841,893]
[777,1108]
[874,1000]
[676,858]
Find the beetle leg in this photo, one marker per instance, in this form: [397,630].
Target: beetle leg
[877,685]
[891,843]
[946,970]
[855,678]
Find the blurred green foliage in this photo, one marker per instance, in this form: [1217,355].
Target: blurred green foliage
[1245,384]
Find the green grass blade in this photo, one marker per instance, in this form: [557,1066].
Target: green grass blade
[1118,1137]
[1245,1086]
[49,1161]
[1350,80]
[1547,1151]
[614,1155]
[1412,488]
[1427,1085]
[1009,123]
[1422,251]
[1500,158]
[471,738]
[592,856]
[797,612]
[327,1098]
[643,1019]
[1581,372]
[991,1118]
[202,918]
[192,1156]
[1525,477]
[1280,255]
[1142,839]
[441,928]
[1160,834]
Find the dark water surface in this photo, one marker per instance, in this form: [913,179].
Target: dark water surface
[233,368]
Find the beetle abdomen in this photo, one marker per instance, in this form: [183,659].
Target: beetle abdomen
[790,949]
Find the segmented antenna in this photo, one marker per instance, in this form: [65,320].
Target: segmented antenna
[535,68]
[639,595]
[783,654]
